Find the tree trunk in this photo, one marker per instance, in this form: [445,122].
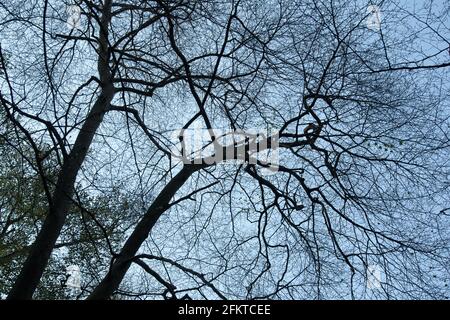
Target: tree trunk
[40,252]
[121,265]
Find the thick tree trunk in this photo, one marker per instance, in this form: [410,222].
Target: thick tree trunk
[121,265]
[40,252]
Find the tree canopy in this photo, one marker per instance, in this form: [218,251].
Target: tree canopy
[319,169]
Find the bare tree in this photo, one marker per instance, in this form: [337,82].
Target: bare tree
[353,98]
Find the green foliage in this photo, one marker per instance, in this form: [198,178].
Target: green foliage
[23,207]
